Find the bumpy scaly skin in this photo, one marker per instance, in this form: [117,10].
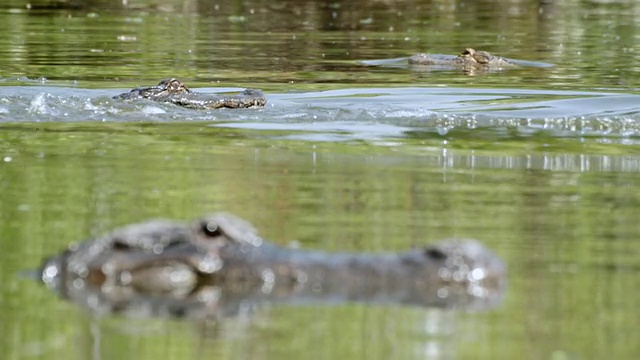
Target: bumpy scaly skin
[219,261]
[175,92]
[469,58]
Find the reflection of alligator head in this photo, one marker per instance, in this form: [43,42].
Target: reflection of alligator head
[162,268]
[469,59]
[176,92]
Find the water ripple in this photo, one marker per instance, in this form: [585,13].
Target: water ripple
[355,113]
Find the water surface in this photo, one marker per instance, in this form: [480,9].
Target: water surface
[540,164]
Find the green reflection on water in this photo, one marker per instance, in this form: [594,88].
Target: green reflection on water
[566,231]
[561,211]
[103,43]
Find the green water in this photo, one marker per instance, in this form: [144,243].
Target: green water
[548,180]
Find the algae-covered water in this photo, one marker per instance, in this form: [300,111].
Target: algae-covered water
[539,163]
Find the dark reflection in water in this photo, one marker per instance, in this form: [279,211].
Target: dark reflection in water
[336,15]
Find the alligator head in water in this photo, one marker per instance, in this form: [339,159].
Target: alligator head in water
[216,263]
[468,59]
[176,92]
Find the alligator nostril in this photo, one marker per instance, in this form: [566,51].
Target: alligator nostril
[119,245]
[435,254]
[211,229]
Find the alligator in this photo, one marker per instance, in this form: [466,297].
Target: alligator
[219,263]
[176,92]
[468,59]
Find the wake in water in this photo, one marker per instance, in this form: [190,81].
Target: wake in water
[354,113]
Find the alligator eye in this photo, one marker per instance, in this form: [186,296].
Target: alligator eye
[435,254]
[211,229]
[174,85]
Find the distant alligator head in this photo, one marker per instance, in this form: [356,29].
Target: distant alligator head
[176,92]
[469,59]
[165,268]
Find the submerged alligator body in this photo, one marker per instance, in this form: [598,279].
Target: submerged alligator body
[217,263]
[469,58]
[176,92]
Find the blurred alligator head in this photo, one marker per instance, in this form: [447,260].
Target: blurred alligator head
[210,266]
